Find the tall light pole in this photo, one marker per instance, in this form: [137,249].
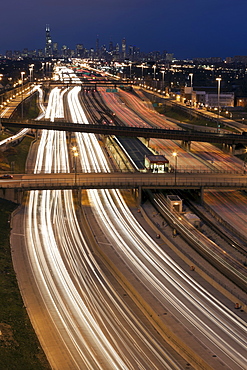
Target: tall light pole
[218,124]
[22,80]
[154,67]
[163,79]
[30,72]
[191,84]
[130,64]
[75,155]
[175,155]
[142,65]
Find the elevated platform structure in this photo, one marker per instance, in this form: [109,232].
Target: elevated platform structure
[184,135]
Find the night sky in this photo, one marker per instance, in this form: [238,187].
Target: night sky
[187,28]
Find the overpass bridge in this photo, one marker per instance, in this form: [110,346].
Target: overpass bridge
[171,134]
[89,83]
[126,180]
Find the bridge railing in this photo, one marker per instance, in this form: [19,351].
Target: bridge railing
[124,182]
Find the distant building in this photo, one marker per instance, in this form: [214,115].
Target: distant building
[48,43]
[9,54]
[123,48]
[55,51]
[241,102]
[207,96]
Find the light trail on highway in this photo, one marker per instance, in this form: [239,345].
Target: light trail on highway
[200,157]
[218,328]
[98,328]
[19,135]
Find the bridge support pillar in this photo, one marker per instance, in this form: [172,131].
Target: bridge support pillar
[69,138]
[147,140]
[79,195]
[229,148]
[202,195]
[104,139]
[186,145]
[139,196]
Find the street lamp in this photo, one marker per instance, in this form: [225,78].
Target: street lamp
[154,67]
[30,72]
[130,64]
[22,80]
[218,124]
[75,158]
[142,65]
[75,155]
[175,155]
[163,79]
[191,84]
[191,80]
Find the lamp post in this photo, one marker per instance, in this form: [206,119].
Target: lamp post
[163,79]
[142,71]
[218,124]
[191,84]
[154,67]
[75,155]
[30,72]
[22,80]
[130,64]
[175,155]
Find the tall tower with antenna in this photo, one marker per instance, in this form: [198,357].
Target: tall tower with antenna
[48,42]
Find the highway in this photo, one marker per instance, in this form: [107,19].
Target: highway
[201,156]
[9,110]
[151,265]
[97,328]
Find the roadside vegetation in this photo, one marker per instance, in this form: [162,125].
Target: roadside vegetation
[19,346]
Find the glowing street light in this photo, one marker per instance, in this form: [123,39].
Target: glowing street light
[75,155]
[218,124]
[22,80]
[163,79]
[175,155]
[30,72]
[154,67]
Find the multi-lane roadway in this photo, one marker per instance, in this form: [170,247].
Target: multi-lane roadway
[94,323]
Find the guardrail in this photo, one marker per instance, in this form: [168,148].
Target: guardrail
[124,181]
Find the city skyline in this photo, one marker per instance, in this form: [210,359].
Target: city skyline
[212,28]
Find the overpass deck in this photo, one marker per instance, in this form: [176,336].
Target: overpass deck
[185,135]
[125,181]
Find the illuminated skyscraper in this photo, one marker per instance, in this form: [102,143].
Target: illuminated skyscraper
[97,46]
[123,48]
[48,43]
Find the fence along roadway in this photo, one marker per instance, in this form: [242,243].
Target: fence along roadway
[119,180]
[185,135]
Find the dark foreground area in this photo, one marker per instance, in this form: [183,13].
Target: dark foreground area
[19,346]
